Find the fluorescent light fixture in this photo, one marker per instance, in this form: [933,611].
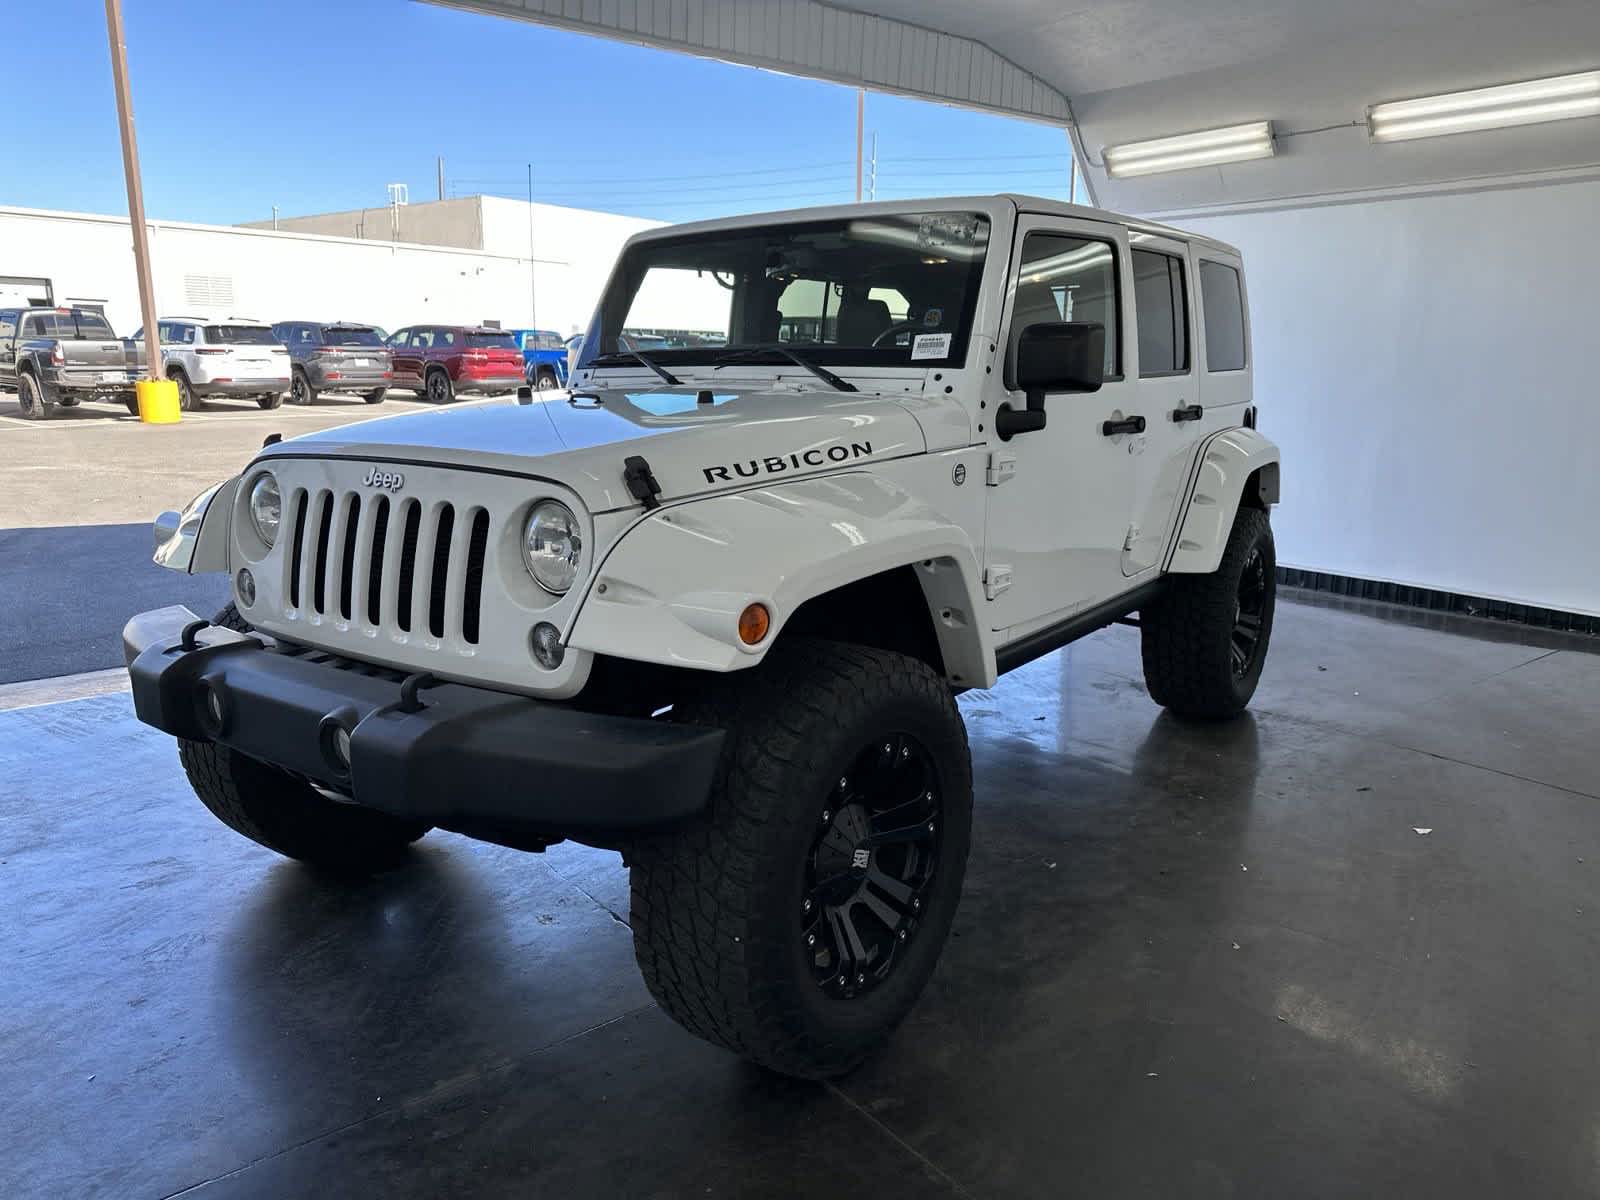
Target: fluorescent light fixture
[1236,143]
[1529,103]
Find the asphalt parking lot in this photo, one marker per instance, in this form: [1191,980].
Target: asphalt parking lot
[77,495]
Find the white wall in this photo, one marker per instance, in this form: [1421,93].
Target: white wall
[278,275]
[1428,365]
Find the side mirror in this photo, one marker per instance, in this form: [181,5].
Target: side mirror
[1052,356]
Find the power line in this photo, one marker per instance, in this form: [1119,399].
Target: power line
[796,168]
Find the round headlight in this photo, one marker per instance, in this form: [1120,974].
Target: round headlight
[552,546]
[266,508]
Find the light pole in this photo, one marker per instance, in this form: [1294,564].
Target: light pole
[130,168]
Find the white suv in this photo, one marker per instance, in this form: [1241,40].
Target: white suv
[233,356]
[712,606]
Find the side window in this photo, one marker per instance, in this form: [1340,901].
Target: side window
[1223,303]
[37,325]
[1069,278]
[422,339]
[444,337]
[1158,297]
[8,325]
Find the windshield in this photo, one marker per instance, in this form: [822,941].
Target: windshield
[866,291]
[505,340]
[351,335]
[240,335]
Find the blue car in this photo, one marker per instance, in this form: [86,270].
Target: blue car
[544,358]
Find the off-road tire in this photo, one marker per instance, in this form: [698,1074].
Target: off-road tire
[30,398]
[271,400]
[1187,633]
[300,390]
[716,909]
[546,381]
[375,396]
[437,386]
[285,814]
[187,400]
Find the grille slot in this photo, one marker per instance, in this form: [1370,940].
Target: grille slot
[319,584]
[380,537]
[408,563]
[298,547]
[347,568]
[472,587]
[441,572]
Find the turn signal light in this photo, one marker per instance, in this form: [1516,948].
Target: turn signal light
[754,622]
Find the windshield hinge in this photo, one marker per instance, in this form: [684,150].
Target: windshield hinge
[996,579]
[641,481]
[1001,468]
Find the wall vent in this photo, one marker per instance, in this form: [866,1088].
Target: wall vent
[208,291]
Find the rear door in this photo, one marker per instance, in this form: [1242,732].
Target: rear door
[403,353]
[1225,337]
[8,346]
[1169,395]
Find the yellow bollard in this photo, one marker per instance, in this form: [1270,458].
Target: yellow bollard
[158,401]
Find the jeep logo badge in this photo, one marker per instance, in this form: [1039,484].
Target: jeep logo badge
[389,481]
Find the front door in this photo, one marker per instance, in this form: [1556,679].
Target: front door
[404,359]
[1062,496]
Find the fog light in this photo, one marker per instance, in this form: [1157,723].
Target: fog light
[213,709]
[246,587]
[341,747]
[547,648]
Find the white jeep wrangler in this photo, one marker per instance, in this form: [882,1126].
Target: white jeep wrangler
[712,606]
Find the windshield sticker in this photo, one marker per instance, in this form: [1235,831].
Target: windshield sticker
[930,345]
[947,231]
[933,318]
[776,465]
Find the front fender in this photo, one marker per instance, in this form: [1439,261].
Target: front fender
[1227,463]
[672,588]
[196,540]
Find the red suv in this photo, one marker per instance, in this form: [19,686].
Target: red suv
[443,361]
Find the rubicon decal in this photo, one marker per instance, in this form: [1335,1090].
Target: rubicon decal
[798,461]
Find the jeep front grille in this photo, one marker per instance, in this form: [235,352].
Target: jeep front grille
[362,558]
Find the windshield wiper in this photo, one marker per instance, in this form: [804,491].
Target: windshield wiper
[666,376]
[822,373]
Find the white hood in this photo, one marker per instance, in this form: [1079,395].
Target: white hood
[742,437]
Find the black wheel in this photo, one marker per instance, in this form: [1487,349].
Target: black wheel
[376,395]
[187,400]
[300,391]
[547,381]
[30,396]
[440,389]
[1205,640]
[271,400]
[798,925]
[130,401]
[286,814]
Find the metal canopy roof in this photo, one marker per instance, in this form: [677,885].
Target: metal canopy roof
[1124,70]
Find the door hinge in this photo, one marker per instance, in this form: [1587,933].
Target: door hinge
[1001,468]
[996,579]
[1133,536]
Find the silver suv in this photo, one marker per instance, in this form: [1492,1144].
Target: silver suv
[229,357]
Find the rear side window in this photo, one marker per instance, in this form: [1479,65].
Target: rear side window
[1158,294]
[1223,302]
[240,335]
[8,324]
[1067,278]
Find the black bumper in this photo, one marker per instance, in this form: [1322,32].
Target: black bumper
[467,758]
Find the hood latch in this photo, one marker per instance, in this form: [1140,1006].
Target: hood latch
[641,481]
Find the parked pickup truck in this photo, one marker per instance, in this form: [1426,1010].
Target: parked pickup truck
[544,358]
[59,357]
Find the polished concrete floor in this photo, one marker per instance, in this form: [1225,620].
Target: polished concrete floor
[1347,945]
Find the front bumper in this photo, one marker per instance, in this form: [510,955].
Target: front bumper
[465,758]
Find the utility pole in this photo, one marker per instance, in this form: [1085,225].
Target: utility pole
[274,216]
[130,168]
[533,285]
[872,179]
[861,117]
[440,161]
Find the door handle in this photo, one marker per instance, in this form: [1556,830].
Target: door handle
[1126,425]
[1192,413]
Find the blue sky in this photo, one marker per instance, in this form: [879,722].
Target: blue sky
[315,106]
